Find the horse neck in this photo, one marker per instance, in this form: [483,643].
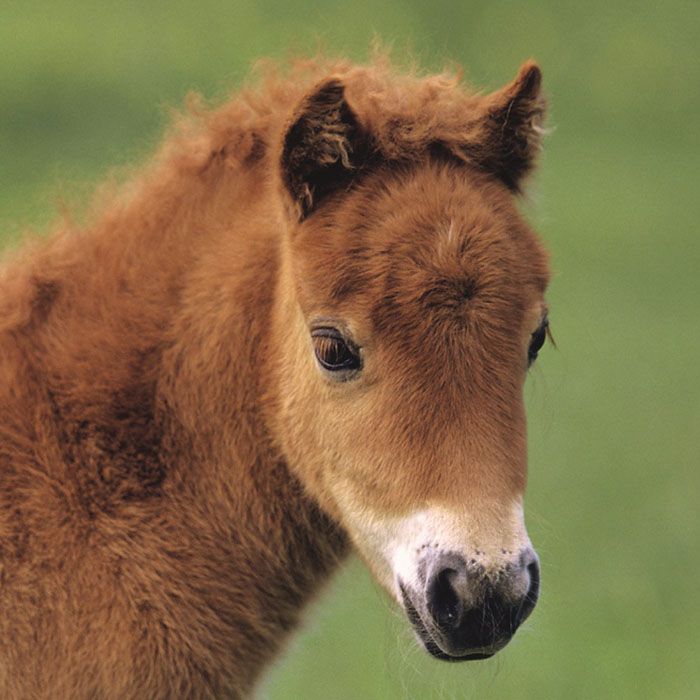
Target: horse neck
[151,352]
[217,395]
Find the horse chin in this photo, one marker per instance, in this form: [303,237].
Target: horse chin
[435,651]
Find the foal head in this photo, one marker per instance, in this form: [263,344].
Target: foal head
[411,308]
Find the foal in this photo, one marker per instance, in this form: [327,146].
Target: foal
[305,328]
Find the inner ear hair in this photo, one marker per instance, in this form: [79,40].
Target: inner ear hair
[512,127]
[322,148]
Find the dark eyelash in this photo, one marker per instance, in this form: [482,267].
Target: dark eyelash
[333,352]
[537,340]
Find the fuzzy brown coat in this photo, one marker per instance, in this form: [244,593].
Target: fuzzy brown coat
[154,539]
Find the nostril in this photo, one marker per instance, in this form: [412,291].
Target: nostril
[534,589]
[444,603]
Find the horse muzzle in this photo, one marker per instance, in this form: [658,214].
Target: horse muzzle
[464,611]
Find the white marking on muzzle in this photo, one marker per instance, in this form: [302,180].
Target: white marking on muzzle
[489,536]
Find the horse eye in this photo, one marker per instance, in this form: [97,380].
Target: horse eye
[537,341]
[333,352]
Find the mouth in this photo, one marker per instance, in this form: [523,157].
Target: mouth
[428,639]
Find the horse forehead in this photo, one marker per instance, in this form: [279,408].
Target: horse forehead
[460,235]
[450,282]
[427,245]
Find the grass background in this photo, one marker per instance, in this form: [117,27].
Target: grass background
[614,413]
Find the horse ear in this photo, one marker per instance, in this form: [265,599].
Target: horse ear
[322,148]
[512,127]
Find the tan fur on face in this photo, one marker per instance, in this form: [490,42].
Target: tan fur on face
[177,475]
[442,325]
[436,418]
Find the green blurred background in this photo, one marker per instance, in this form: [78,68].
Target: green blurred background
[614,412]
